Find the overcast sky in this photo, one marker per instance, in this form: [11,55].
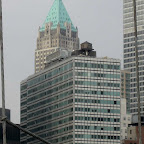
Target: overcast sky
[98,21]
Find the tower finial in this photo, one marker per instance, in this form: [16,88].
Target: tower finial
[58,14]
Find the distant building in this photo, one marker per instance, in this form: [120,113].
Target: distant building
[75,100]
[125,103]
[133,135]
[125,119]
[13,134]
[56,32]
[7,111]
[125,88]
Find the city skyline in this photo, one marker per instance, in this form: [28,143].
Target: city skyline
[109,36]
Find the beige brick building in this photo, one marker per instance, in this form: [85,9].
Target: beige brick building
[56,32]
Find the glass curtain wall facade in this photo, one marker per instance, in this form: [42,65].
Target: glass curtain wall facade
[75,101]
[129,50]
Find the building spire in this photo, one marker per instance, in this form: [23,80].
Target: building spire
[58,14]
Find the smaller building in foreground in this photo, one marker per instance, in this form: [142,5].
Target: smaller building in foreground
[12,133]
[125,119]
[125,88]
[133,134]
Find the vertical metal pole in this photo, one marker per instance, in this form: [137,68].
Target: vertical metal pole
[137,71]
[2,75]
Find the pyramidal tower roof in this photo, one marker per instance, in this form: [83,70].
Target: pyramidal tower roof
[58,15]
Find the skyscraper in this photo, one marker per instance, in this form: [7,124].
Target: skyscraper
[57,31]
[129,51]
[75,100]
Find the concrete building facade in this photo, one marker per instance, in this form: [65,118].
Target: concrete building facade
[56,32]
[125,119]
[133,136]
[73,101]
[129,50]
[125,88]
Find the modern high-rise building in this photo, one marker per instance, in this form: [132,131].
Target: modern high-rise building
[75,100]
[125,88]
[57,31]
[129,51]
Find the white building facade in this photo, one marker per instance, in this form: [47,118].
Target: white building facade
[125,119]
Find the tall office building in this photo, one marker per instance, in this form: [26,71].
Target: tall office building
[129,51]
[57,31]
[75,100]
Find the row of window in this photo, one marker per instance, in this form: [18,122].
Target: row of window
[133,34]
[128,4]
[89,74]
[93,83]
[130,9]
[81,109]
[85,136]
[56,98]
[97,128]
[131,19]
[50,91]
[60,131]
[97,101]
[129,15]
[94,65]
[50,74]
[50,116]
[50,83]
[107,93]
[61,139]
[52,124]
[95,119]
[133,44]
[131,25]
[54,141]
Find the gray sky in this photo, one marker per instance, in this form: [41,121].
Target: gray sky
[98,21]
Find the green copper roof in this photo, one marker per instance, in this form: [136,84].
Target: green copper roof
[58,14]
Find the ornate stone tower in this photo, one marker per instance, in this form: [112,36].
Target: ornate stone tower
[57,31]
